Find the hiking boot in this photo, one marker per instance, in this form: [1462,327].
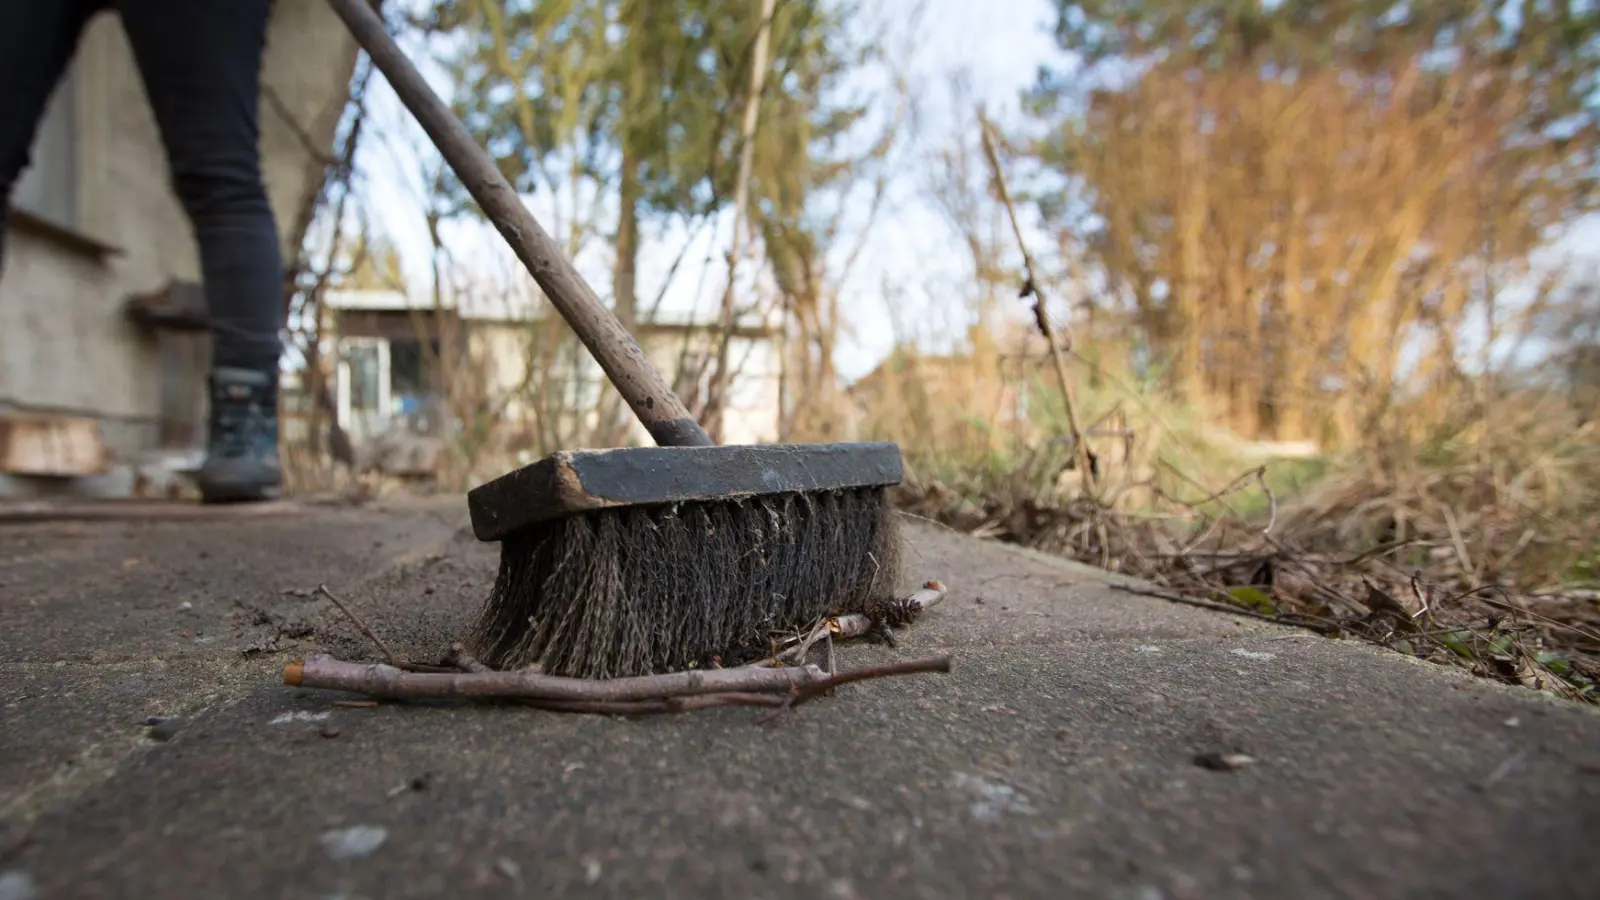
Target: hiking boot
[242,449]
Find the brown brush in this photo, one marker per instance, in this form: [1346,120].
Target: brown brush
[631,561]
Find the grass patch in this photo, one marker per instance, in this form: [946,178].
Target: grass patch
[1473,547]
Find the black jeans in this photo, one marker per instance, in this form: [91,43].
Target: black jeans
[200,61]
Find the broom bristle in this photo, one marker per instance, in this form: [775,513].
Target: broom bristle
[639,590]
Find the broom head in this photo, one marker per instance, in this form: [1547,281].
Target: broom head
[633,561]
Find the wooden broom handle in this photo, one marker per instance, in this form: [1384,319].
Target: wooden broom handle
[628,368]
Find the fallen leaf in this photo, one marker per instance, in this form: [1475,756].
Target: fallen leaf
[1253,598]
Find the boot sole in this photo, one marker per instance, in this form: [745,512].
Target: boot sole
[219,488]
[240,495]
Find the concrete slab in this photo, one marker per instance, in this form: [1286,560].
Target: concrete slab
[1057,759]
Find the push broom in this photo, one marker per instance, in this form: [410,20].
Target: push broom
[633,561]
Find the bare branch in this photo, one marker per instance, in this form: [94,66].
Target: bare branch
[1086,458]
[390,682]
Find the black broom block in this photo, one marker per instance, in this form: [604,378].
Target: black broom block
[633,561]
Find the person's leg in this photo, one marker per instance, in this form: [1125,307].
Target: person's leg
[201,65]
[37,41]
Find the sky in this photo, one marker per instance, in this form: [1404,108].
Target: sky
[911,256]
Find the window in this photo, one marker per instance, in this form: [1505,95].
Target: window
[410,373]
[363,386]
[48,188]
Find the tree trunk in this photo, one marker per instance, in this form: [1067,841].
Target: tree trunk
[612,416]
[1242,366]
[741,199]
[1292,391]
[627,264]
[1188,369]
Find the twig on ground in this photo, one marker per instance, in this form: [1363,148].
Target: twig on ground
[425,669]
[459,658]
[797,654]
[802,693]
[775,688]
[1238,484]
[388,654]
[656,707]
[1280,619]
[849,626]
[1457,542]
[780,681]
[1552,622]
[1424,606]
[389,682]
[854,625]
[1293,557]
[1272,500]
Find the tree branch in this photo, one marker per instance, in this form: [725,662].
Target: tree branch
[389,682]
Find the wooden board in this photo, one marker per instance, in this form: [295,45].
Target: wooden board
[22,511]
[51,446]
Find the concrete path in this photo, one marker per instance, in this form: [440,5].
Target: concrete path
[1056,760]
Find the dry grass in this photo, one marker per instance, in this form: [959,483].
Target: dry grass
[1471,545]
